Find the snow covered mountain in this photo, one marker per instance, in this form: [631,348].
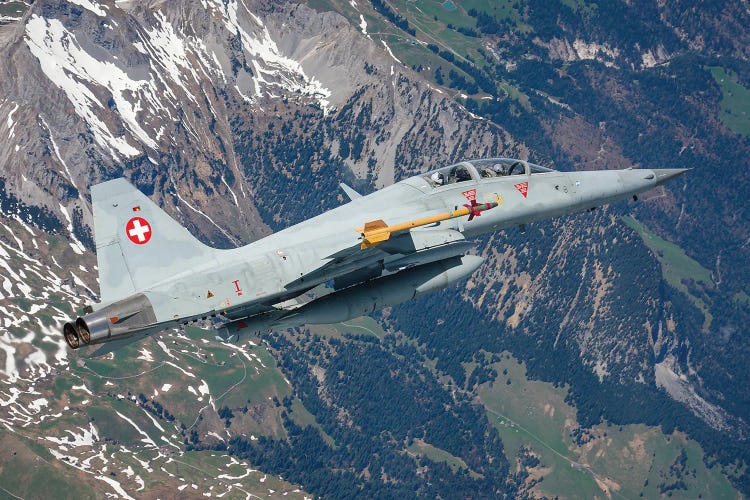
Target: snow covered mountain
[240,117]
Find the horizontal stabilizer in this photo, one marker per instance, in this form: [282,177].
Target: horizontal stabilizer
[374,239]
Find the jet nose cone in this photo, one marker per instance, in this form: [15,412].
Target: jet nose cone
[664,174]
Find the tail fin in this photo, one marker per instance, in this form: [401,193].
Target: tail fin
[137,243]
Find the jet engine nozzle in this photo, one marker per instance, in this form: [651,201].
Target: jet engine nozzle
[90,329]
[93,328]
[71,336]
[83,331]
[120,319]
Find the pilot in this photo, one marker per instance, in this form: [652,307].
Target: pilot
[461,174]
[499,169]
[437,178]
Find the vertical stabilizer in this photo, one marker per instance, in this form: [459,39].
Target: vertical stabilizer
[137,243]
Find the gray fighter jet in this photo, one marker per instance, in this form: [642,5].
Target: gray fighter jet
[379,250]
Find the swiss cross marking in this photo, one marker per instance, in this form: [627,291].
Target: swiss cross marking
[523,188]
[138,230]
[470,195]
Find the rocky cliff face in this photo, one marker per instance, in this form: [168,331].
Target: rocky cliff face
[159,93]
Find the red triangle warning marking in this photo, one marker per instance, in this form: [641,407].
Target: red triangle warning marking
[523,188]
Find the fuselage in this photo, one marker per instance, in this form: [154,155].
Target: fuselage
[263,270]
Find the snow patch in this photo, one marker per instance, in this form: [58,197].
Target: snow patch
[115,486]
[68,66]
[180,368]
[156,424]
[90,6]
[76,245]
[388,49]
[146,439]
[10,369]
[203,388]
[168,49]
[37,404]
[271,67]
[234,196]
[83,388]
[11,124]
[145,355]
[87,437]
[165,349]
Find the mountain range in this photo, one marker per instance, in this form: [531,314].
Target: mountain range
[603,354]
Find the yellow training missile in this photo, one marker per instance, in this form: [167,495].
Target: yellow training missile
[378,231]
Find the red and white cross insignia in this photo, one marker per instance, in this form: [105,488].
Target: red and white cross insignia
[138,230]
[470,195]
[523,188]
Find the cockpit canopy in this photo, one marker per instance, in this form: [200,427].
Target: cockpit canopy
[482,169]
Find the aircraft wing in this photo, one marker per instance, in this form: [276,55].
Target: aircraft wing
[341,263]
[409,249]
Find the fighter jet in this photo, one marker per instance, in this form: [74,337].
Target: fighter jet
[379,250]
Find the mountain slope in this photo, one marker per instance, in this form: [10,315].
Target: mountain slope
[241,118]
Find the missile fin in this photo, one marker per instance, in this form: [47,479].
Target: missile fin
[373,233]
[374,239]
[373,225]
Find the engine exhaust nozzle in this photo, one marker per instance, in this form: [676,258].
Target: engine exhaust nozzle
[83,330]
[71,336]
